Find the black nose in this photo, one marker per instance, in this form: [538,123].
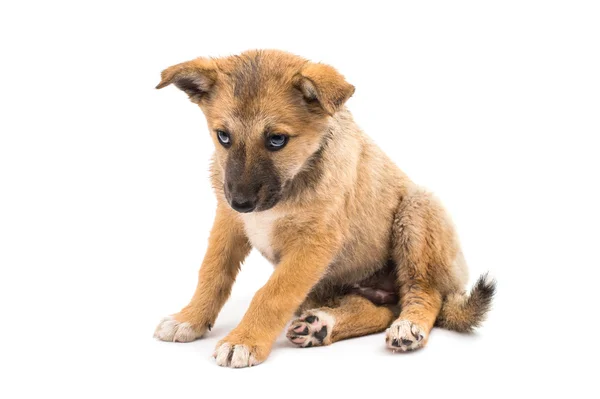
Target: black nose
[244,207]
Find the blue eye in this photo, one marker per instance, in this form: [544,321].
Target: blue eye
[224,138]
[276,141]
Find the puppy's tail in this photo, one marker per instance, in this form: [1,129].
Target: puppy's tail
[462,312]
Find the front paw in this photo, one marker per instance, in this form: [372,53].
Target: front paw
[174,329]
[234,353]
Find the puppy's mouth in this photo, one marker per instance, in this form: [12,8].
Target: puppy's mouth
[269,202]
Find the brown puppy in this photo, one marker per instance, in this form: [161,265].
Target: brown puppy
[348,232]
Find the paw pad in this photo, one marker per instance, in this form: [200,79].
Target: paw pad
[313,329]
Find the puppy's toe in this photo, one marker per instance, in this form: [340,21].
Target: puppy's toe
[404,336]
[313,328]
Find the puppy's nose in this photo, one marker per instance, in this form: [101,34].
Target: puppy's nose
[244,197]
[243,206]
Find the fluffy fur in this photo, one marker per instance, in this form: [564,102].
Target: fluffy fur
[343,225]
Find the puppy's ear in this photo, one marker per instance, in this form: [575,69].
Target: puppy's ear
[322,83]
[196,78]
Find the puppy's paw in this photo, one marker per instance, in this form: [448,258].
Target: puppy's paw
[172,330]
[235,356]
[403,335]
[239,349]
[313,328]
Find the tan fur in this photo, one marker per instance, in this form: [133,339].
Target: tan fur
[353,316]
[345,212]
[357,316]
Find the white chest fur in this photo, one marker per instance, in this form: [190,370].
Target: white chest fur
[259,229]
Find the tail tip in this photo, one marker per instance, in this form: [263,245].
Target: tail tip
[485,289]
[488,280]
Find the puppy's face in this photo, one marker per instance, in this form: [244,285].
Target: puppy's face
[267,115]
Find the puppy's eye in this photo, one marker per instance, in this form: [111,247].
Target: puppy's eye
[276,141]
[224,138]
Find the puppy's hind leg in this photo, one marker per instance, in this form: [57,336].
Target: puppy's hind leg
[354,317]
[424,247]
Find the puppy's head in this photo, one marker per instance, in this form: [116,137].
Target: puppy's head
[267,114]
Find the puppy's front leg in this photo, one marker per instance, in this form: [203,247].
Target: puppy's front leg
[227,248]
[302,265]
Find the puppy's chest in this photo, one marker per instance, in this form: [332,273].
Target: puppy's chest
[259,227]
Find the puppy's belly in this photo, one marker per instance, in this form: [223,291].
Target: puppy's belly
[381,288]
[259,229]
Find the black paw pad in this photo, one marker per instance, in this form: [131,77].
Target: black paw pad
[311,319]
[321,334]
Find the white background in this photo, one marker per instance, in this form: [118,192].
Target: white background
[105,204]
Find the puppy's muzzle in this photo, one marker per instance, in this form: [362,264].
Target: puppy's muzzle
[243,199]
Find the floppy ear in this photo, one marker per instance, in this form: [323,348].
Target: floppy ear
[322,83]
[195,78]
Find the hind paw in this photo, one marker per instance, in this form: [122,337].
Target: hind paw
[404,336]
[313,328]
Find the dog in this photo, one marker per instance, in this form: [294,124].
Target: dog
[358,248]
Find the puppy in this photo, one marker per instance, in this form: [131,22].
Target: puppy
[349,234]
